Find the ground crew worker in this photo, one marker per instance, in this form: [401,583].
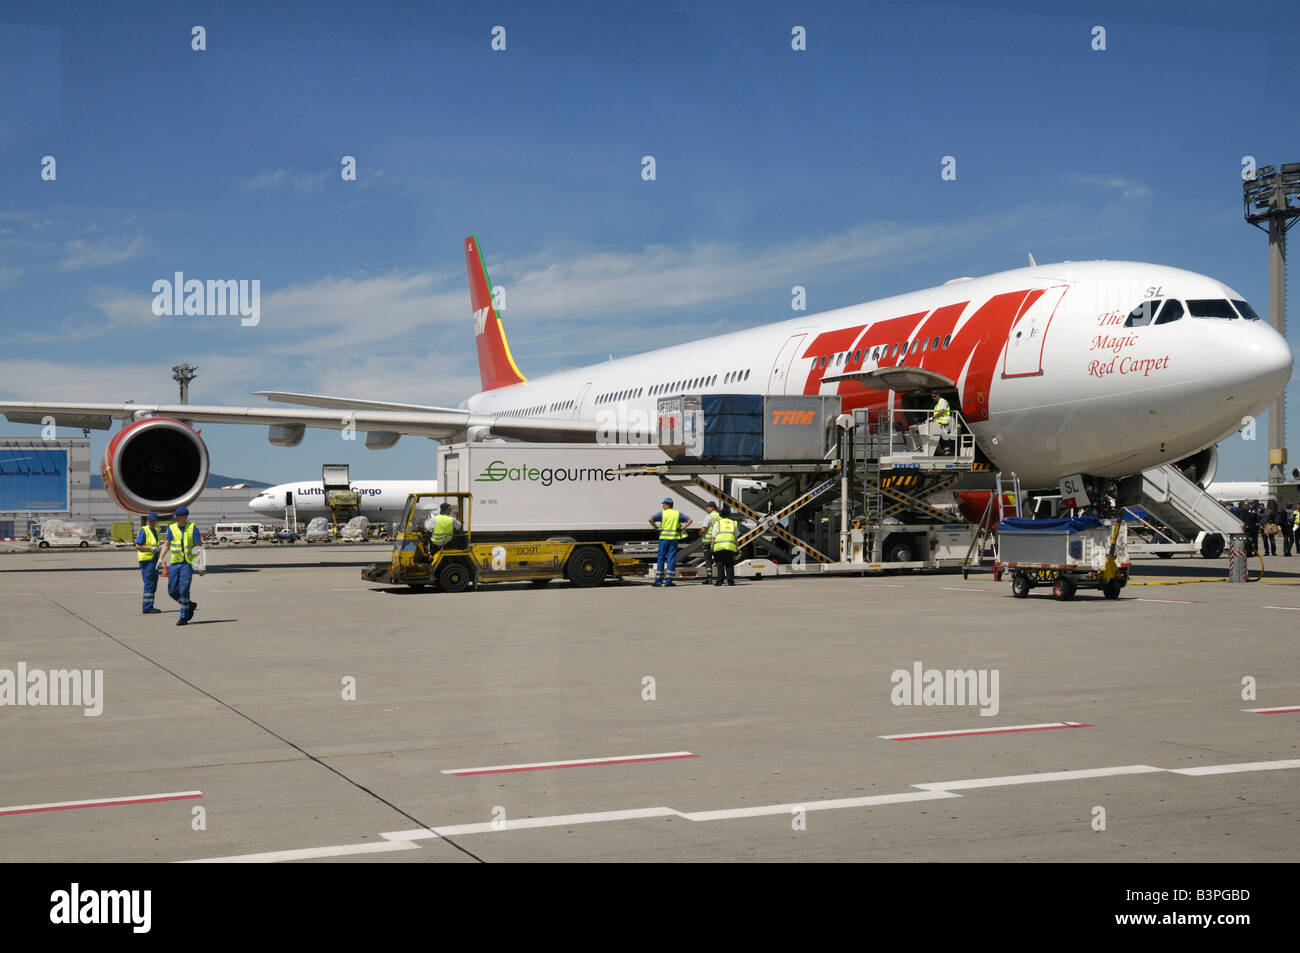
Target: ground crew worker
[182,545]
[672,530]
[724,549]
[942,417]
[1288,521]
[147,545]
[710,527]
[444,527]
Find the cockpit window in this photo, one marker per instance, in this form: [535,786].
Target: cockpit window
[1141,316]
[1210,308]
[1246,310]
[1172,311]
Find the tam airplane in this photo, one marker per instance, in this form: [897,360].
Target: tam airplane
[1101,368]
[379,498]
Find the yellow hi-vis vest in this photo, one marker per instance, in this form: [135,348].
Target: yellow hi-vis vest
[712,525]
[942,413]
[181,545]
[149,540]
[724,537]
[670,525]
[444,527]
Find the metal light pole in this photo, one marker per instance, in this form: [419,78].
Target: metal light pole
[183,374]
[1272,204]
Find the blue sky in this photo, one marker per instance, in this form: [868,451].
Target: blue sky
[774,167]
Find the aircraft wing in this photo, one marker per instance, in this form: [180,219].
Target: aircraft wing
[347,403]
[437,423]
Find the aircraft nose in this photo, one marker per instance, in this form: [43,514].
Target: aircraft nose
[1257,366]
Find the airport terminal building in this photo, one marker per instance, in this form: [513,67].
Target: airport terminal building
[51,479]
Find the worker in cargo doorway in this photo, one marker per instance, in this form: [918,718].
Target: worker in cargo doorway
[942,418]
[147,546]
[710,529]
[672,530]
[724,548]
[442,528]
[181,545]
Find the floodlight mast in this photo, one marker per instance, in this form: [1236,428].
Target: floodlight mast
[183,374]
[1272,204]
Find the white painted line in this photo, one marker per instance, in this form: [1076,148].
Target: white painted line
[309,853]
[352,589]
[1183,602]
[1288,608]
[1238,768]
[581,763]
[558,820]
[832,805]
[884,585]
[99,802]
[1272,711]
[405,840]
[965,589]
[1008,729]
[1010,779]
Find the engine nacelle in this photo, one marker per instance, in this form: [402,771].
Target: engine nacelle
[155,465]
[974,503]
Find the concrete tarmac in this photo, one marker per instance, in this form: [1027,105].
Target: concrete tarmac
[241,739]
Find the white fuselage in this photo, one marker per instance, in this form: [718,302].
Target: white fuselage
[380,499]
[1049,378]
[1240,492]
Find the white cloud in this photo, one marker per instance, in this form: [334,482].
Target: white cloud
[661,277]
[407,336]
[82,254]
[1126,187]
[288,179]
[352,313]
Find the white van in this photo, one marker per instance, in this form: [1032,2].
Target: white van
[236,532]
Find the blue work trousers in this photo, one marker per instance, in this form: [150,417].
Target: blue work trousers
[178,587]
[149,571]
[667,564]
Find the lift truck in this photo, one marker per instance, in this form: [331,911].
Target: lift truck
[460,563]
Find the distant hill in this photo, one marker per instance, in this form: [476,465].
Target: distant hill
[215,482]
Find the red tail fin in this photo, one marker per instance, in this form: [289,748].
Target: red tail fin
[496,367]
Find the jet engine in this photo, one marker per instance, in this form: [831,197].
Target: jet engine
[155,465]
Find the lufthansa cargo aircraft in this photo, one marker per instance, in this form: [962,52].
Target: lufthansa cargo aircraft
[1097,368]
[379,498]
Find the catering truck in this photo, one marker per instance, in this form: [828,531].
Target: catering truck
[459,561]
[524,490]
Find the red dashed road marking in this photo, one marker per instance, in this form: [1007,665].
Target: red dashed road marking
[584,763]
[1050,726]
[1272,711]
[99,802]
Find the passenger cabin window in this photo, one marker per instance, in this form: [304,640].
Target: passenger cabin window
[1210,308]
[1246,310]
